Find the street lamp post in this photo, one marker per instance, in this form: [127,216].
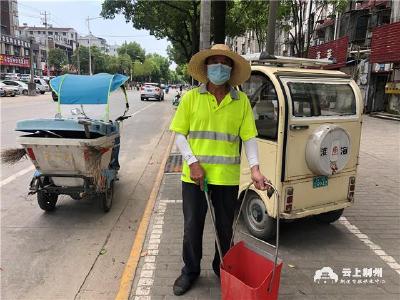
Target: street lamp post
[89,36]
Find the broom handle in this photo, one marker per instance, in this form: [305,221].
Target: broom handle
[211,208]
[277,229]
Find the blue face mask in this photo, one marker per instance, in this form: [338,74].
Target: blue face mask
[218,74]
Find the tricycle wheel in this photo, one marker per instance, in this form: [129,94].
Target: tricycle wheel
[256,218]
[329,217]
[106,198]
[47,201]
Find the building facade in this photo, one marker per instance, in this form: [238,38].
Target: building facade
[50,38]
[94,41]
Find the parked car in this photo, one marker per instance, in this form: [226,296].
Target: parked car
[22,86]
[12,76]
[8,90]
[151,90]
[42,85]
[309,128]
[25,77]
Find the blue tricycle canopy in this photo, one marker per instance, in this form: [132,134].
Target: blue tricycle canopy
[86,89]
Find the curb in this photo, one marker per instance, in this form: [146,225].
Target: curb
[130,269]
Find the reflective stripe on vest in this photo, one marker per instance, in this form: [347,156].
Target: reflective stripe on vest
[212,135]
[225,160]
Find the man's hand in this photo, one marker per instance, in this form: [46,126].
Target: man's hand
[259,180]
[197,174]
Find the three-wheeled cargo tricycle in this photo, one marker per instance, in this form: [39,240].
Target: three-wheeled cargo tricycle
[76,155]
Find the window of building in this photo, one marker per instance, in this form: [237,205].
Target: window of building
[264,101]
[30,32]
[64,33]
[51,32]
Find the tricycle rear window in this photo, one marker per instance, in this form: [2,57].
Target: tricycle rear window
[312,99]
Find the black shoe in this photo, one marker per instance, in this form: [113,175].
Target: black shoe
[182,284]
[217,271]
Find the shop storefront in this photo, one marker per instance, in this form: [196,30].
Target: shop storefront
[385,74]
[14,64]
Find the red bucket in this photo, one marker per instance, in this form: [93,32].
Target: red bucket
[247,275]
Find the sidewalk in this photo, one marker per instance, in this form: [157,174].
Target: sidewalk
[306,246]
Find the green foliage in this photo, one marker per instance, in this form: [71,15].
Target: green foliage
[292,13]
[178,21]
[99,59]
[154,68]
[182,73]
[57,58]
[133,49]
[249,15]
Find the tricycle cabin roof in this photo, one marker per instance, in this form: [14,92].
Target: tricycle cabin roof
[86,89]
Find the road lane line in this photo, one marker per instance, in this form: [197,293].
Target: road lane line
[140,110]
[132,263]
[16,175]
[389,260]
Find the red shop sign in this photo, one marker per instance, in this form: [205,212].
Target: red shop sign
[10,60]
[335,50]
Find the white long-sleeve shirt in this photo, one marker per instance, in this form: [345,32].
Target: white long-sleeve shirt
[187,153]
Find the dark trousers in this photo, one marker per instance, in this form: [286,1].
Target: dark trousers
[194,212]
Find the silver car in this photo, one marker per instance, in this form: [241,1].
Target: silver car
[151,90]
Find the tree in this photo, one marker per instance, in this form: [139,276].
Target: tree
[99,59]
[250,15]
[292,13]
[160,70]
[57,59]
[218,9]
[134,50]
[178,21]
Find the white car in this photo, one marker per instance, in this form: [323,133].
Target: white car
[42,85]
[25,77]
[9,90]
[12,76]
[151,90]
[22,86]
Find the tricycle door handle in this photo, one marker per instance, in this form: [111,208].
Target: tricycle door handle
[298,127]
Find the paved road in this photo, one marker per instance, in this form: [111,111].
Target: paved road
[77,251]
[362,248]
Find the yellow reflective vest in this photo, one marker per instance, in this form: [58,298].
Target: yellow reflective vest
[214,132]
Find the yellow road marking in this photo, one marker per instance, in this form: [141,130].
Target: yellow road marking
[131,265]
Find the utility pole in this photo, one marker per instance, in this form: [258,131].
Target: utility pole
[90,54]
[45,14]
[205,22]
[89,36]
[31,84]
[273,8]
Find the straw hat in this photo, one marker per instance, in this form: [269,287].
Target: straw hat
[240,71]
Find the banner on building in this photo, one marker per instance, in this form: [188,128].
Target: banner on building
[16,61]
[385,44]
[334,50]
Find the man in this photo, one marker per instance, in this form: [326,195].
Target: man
[210,123]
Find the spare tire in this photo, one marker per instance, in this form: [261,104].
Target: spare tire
[328,150]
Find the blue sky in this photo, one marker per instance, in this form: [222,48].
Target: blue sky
[73,14]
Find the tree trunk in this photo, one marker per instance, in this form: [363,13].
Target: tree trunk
[218,28]
[195,29]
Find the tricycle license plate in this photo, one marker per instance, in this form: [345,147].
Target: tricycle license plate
[320,181]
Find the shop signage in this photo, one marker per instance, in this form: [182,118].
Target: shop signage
[334,50]
[11,60]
